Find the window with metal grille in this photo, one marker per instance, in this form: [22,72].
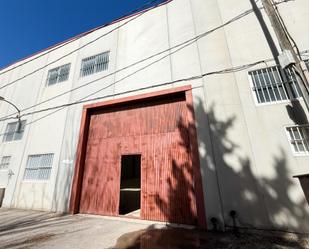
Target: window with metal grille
[14,131]
[5,162]
[273,84]
[299,139]
[94,64]
[58,74]
[39,167]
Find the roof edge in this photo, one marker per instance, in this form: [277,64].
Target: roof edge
[78,36]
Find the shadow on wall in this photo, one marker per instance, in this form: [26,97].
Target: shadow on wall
[297,113]
[62,190]
[64,178]
[259,202]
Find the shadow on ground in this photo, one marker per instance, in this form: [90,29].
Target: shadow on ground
[173,238]
[259,201]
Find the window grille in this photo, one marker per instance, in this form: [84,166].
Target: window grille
[12,133]
[5,162]
[299,139]
[94,64]
[273,84]
[58,74]
[39,167]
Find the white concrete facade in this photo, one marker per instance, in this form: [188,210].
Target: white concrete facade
[246,159]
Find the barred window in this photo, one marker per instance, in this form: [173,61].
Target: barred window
[5,162]
[39,167]
[94,64]
[14,131]
[299,139]
[273,84]
[58,74]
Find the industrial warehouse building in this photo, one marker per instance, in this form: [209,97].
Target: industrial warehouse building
[177,113]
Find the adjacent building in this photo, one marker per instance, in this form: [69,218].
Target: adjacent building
[178,113]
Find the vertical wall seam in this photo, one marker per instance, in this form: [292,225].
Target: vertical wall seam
[116,62]
[65,127]
[245,120]
[208,122]
[18,181]
[169,43]
[7,108]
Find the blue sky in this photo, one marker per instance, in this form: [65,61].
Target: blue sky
[28,26]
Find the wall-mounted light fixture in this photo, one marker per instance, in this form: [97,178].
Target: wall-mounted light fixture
[18,112]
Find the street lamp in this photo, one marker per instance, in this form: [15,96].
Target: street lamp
[18,112]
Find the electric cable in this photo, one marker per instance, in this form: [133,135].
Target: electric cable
[83,100]
[88,32]
[70,40]
[74,50]
[190,41]
[300,71]
[286,31]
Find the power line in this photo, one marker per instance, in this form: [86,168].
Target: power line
[86,33]
[56,47]
[77,49]
[190,41]
[184,44]
[224,71]
[61,107]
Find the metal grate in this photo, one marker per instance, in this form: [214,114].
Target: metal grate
[12,133]
[272,84]
[5,162]
[299,139]
[58,74]
[39,167]
[94,64]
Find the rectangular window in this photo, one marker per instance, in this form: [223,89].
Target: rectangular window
[5,162]
[14,131]
[299,139]
[94,64]
[39,167]
[273,84]
[58,74]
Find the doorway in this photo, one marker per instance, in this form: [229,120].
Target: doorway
[130,186]
[170,176]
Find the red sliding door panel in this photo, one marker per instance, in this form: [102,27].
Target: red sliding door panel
[156,129]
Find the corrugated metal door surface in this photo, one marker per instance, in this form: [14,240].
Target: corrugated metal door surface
[158,131]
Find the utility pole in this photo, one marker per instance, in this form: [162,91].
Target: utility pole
[285,44]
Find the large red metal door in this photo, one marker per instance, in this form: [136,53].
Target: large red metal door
[158,131]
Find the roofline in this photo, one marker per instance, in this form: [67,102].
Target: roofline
[78,36]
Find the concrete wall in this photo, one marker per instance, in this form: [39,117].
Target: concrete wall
[246,160]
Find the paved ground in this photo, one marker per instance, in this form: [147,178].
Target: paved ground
[30,229]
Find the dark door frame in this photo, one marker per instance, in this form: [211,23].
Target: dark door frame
[141,171]
[82,145]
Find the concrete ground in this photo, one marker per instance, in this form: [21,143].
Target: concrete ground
[31,229]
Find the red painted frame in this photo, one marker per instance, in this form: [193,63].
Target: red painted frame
[82,144]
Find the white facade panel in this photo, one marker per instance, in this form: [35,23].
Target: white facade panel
[246,160]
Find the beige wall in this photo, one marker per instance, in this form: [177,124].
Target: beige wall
[246,161]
